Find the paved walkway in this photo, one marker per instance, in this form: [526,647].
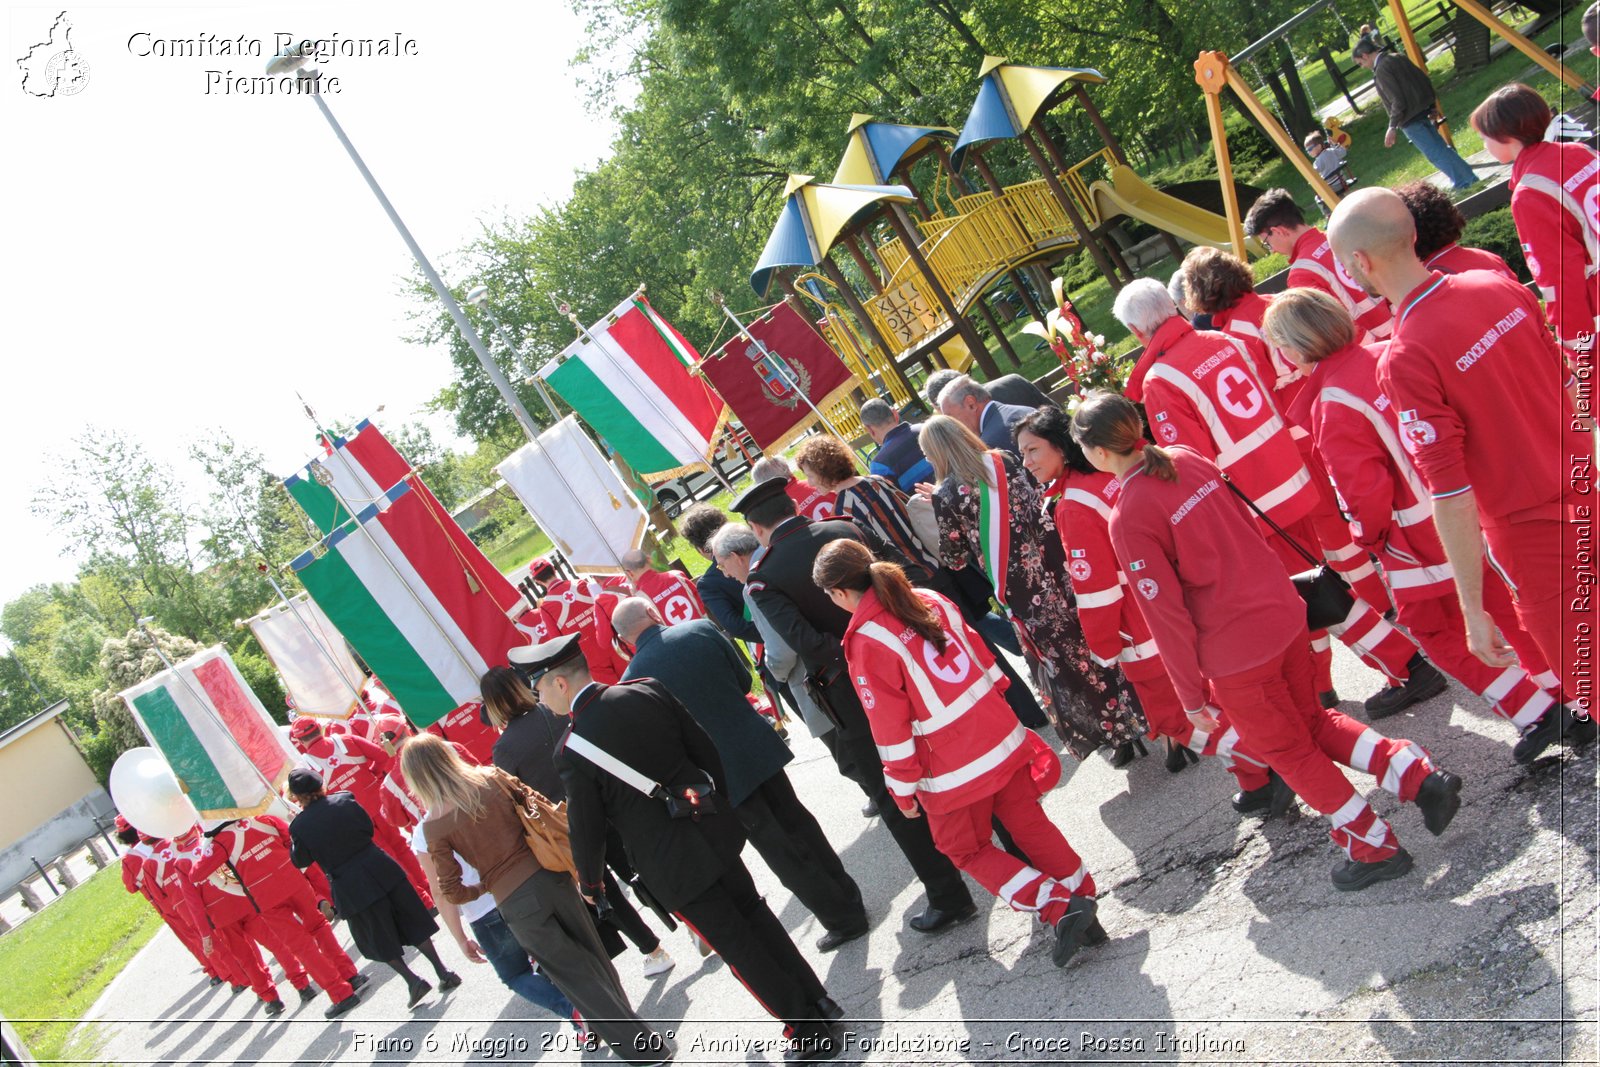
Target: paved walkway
[1228,943]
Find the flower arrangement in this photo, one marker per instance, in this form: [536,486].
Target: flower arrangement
[1082,354]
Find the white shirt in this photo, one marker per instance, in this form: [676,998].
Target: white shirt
[472,910]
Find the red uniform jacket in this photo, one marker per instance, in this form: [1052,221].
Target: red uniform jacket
[1358,439]
[1555,200]
[674,595]
[943,729]
[1455,259]
[1213,592]
[464,727]
[1199,392]
[1112,626]
[584,608]
[810,501]
[351,763]
[164,882]
[1313,264]
[257,849]
[1479,388]
[212,898]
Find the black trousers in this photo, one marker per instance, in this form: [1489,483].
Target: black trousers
[788,838]
[735,921]
[858,760]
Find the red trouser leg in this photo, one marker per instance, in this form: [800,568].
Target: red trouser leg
[1164,711]
[386,837]
[265,934]
[966,835]
[1549,566]
[1438,624]
[246,958]
[281,921]
[1162,708]
[1275,708]
[1503,610]
[185,933]
[301,901]
[1353,562]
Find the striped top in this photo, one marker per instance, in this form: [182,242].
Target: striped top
[878,508]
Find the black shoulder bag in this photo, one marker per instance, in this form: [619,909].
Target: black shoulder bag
[1327,596]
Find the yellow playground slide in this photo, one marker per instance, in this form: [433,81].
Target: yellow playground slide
[1128,194]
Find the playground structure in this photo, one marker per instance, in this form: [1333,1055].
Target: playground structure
[927,256]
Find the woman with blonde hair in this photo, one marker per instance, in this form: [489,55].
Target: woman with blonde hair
[990,510]
[472,811]
[951,749]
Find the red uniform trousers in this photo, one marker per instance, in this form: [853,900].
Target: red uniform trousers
[191,940]
[237,940]
[1519,693]
[966,835]
[1163,710]
[1275,707]
[289,922]
[1365,631]
[1549,566]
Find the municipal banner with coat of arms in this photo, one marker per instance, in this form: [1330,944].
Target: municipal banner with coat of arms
[764,375]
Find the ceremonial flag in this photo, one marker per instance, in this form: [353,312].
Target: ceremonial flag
[221,744]
[629,378]
[311,657]
[765,388]
[576,497]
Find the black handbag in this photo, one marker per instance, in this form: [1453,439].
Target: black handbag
[1327,596]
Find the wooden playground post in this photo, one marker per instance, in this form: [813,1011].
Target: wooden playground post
[1210,71]
[962,185]
[901,221]
[1099,122]
[1064,198]
[999,334]
[1522,44]
[1397,8]
[852,246]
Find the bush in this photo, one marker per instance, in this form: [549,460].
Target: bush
[1496,232]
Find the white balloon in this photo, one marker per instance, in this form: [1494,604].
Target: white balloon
[147,793]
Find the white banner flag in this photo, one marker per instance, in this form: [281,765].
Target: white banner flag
[576,497]
[311,657]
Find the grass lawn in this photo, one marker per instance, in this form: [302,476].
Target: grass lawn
[517,546]
[57,963]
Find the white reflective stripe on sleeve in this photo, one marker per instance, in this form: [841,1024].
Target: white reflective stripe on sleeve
[1286,491]
[1089,500]
[1413,577]
[978,767]
[899,788]
[1142,651]
[1104,598]
[1414,514]
[1339,555]
[1104,662]
[904,750]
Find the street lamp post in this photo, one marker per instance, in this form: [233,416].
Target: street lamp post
[293,60]
[479,296]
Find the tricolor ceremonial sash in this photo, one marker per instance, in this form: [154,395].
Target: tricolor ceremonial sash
[994,527]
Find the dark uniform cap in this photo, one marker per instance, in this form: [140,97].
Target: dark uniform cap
[303,781]
[537,660]
[759,494]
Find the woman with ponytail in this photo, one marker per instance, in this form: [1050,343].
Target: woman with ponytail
[990,511]
[1082,498]
[951,747]
[1224,615]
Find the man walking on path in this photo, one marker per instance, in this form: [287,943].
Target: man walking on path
[1408,97]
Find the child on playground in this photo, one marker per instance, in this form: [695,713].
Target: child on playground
[1327,158]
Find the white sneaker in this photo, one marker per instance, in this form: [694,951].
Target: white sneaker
[658,962]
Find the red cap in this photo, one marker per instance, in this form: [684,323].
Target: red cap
[542,568]
[303,727]
[122,823]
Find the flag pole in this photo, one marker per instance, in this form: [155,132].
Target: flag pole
[583,331]
[315,638]
[775,363]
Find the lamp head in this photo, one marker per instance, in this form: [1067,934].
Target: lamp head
[287,61]
[478,294]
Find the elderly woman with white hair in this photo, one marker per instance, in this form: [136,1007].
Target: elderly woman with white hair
[990,511]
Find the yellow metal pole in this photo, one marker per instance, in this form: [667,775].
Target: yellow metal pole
[1522,44]
[1397,8]
[1210,71]
[1280,137]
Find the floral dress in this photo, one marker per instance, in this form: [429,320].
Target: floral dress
[1089,705]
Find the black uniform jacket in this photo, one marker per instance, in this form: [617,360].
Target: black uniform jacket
[336,832]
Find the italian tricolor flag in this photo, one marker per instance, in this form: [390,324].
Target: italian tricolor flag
[630,379]
[223,747]
[415,598]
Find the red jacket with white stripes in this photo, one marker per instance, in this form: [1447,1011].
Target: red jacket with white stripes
[584,608]
[810,501]
[1112,626]
[464,728]
[350,763]
[1479,387]
[210,893]
[133,865]
[943,729]
[1200,392]
[1313,264]
[673,594]
[1458,259]
[1555,201]
[257,849]
[1358,438]
[163,881]
[1212,590]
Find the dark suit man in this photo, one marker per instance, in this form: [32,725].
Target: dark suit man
[970,403]
[1007,389]
[701,668]
[781,585]
[691,864]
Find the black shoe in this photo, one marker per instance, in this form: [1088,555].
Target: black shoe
[1072,929]
[1329,700]
[869,809]
[1283,797]
[934,919]
[1422,683]
[828,1008]
[1179,757]
[418,991]
[1095,934]
[1272,800]
[814,1043]
[1439,798]
[333,1011]
[834,938]
[1558,723]
[357,981]
[309,993]
[216,980]
[1352,875]
[237,989]
[448,981]
[274,1008]
[1126,752]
